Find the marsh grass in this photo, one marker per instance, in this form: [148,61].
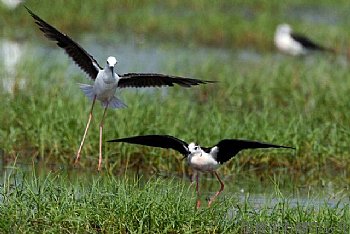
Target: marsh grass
[285,101]
[223,24]
[301,102]
[63,202]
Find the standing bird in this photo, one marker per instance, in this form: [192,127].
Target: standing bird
[106,80]
[201,159]
[295,44]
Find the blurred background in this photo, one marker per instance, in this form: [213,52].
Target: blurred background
[261,94]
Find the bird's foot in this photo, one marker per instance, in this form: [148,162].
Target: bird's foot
[99,163]
[198,205]
[77,159]
[210,201]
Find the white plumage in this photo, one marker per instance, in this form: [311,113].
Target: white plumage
[106,80]
[293,43]
[201,159]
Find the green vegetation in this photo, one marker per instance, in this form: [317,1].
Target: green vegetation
[225,24]
[105,204]
[261,95]
[275,99]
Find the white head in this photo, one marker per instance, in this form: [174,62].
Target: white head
[283,29]
[285,42]
[111,61]
[193,148]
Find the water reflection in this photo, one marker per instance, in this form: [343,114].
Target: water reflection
[11,53]
[135,56]
[261,201]
[12,3]
[315,15]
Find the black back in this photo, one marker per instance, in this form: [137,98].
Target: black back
[306,42]
[82,58]
[228,148]
[160,141]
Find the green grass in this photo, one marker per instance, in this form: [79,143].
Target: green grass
[284,101]
[208,23]
[300,102]
[57,202]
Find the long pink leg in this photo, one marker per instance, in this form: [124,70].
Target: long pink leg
[218,192]
[101,129]
[86,130]
[197,190]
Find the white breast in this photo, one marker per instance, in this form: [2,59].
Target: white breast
[202,161]
[286,43]
[105,85]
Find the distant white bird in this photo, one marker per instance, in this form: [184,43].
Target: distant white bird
[201,159]
[295,44]
[106,81]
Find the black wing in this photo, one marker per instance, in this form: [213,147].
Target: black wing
[140,80]
[228,148]
[306,42]
[82,58]
[161,141]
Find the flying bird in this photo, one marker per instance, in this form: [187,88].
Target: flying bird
[105,79]
[295,44]
[201,159]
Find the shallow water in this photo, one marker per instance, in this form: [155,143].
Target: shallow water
[135,54]
[132,56]
[11,54]
[316,15]
[11,4]
[243,186]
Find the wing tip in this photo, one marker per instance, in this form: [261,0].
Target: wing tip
[280,146]
[114,140]
[31,12]
[27,8]
[211,81]
[195,82]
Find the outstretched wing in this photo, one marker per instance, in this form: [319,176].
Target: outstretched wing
[228,148]
[160,141]
[82,58]
[140,80]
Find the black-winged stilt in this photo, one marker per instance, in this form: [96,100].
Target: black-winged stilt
[295,44]
[106,80]
[201,159]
